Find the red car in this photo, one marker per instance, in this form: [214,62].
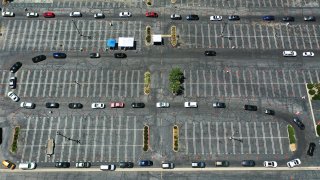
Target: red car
[151,14]
[49,14]
[116,104]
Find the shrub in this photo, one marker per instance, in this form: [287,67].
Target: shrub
[312,92]
[292,138]
[15,139]
[318,130]
[145,138]
[148,39]
[316,97]
[310,86]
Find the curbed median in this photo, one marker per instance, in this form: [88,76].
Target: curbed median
[14,144]
[175,138]
[174,40]
[292,138]
[146,138]
[148,36]
[147,83]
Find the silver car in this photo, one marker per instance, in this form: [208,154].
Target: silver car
[13,96]
[163,104]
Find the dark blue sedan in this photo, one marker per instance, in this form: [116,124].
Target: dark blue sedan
[59,55]
[268,18]
[145,163]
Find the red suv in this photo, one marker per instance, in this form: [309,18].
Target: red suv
[49,14]
[151,14]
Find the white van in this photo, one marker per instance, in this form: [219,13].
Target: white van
[167,165]
[26,166]
[109,167]
[75,14]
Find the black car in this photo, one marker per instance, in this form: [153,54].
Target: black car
[59,55]
[137,105]
[268,18]
[250,107]
[62,164]
[234,17]
[120,55]
[52,105]
[248,163]
[145,163]
[94,55]
[219,105]
[309,18]
[298,123]
[192,17]
[13,82]
[312,146]
[39,58]
[269,112]
[210,53]
[126,165]
[288,18]
[15,67]
[75,105]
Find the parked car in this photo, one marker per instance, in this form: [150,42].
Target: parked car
[116,104]
[268,18]
[198,164]
[62,165]
[8,164]
[269,112]
[219,105]
[52,105]
[192,17]
[311,148]
[83,164]
[126,164]
[13,82]
[27,165]
[49,14]
[109,167]
[145,163]
[151,14]
[234,17]
[308,54]
[298,123]
[27,105]
[270,164]
[7,14]
[210,53]
[13,96]
[120,55]
[39,58]
[75,14]
[222,163]
[215,18]
[75,106]
[175,17]
[167,165]
[98,105]
[98,15]
[309,18]
[14,68]
[32,14]
[289,53]
[293,163]
[163,104]
[288,19]
[248,163]
[250,107]
[137,105]
[125,14]
[59,55]
[190,104]
[94,55]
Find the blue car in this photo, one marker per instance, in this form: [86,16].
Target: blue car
[268,18]
[59,55]
[145,163]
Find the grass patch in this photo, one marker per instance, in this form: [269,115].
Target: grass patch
[292,138]
[318,130]
[15,139]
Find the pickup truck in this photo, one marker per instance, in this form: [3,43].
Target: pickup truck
[190,104]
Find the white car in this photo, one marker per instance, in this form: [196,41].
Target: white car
[163,104]
[270,164]
[175,17]
[293,163]
[307,54]
[32,14]
[98,15]
[98,105]
[190,104]
[215,18]
[27,105]
[109,167]
[26,166]
[289,53]
[125,14]
[75,14]
[13,96]
[7,14]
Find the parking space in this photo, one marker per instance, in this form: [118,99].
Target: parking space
[76,83]
[101,138]
[235,82]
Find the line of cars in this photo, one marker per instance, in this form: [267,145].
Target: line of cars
[291,53]
[50,14]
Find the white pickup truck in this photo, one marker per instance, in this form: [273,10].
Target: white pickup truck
[190,104]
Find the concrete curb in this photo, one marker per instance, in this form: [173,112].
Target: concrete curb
[311,109]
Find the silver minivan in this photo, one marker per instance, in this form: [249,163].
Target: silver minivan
[27,165]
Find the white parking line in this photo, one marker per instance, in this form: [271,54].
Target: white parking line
[198,94]
[50,89]
[256,137]
[240,135]
[186,137]
[110,138]
[265,83]
[7,35]
[215,36]
[202,37]
[235,34]
[25,141]
[233,143]
[225,84]
[291,82]
[273,150]
[201,132]
[310,41]
[76,85]
[190,77]
[279,89]
[70,85]
[41,138]
[138,84]
[95,83]
[63,139]
[126,141]
[72,137]
[281,37]
[310,77]
[289,37]
[280,140]
[209,37]
[26,85]
[120,83]
[205,83]
[103,139]
[211,77]
[315,34]
[58,80]
[32,86]
[49,136]
[63,83]
[262,41]
[271,80]
[295,38]
[264,139]
[107,84]
[248,135]
[275,37]
[217,135]
[209,134]
[194,138]
[245,81]
[297,77]
[268,36]
[89,80]
[53,36]
[18,38]
[225,138]
[218,86]
[285,81]
[126,84]
[82,80]
[258,82]
[301,32]
[252,89]
[118,140]
[95,139]
[231,84]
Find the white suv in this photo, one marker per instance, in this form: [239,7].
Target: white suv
[75,14]
[190,104]
[289,53]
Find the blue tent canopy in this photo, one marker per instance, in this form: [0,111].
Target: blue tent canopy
[111,43]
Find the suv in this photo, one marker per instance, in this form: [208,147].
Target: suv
[126,165]
[219,105]
[310,151]
[289,53]
[39,58]
[13,82]
[222,163]
[27,105]
[250,107]
[168,165]
[309,18]
[288,18]
[269,112]
[198,164]
[175,17]
[190,104]
[7,14]
[52,105]
[268,18]
[15,67]
[75,105]
[98,15]
[192,17]
[248,163]
[210,53]
[62,165]
[145,163]
[298,123]
[137,105]
[75,14]
[215,18]
[234,17]
[59,55]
